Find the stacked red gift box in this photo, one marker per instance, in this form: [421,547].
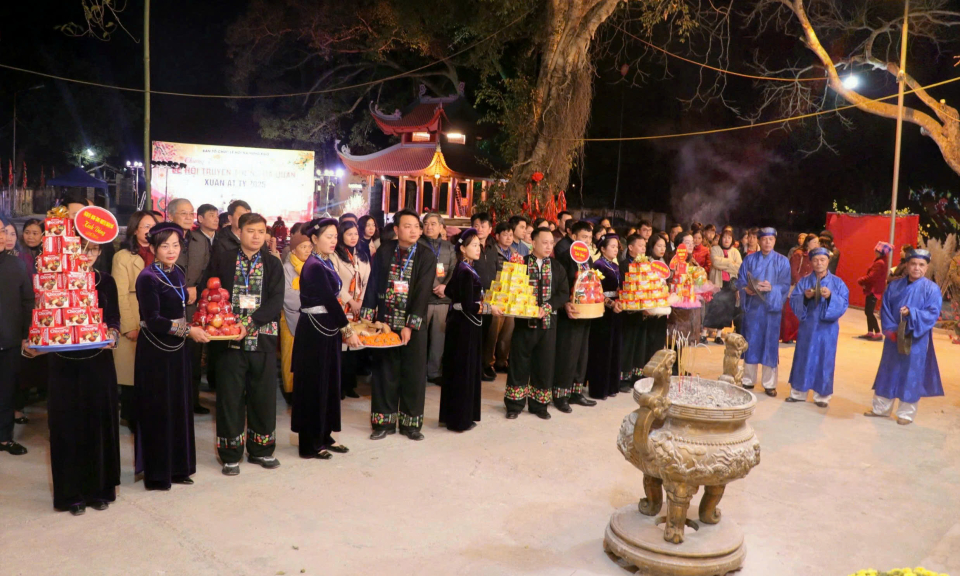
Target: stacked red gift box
[66,310]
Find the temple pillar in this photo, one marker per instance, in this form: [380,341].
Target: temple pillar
[452,197]
[402,193]
[419,194]
[385,195]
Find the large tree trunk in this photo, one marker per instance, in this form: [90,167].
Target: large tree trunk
[563,92]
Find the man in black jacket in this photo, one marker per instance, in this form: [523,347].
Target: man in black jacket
[399,289]
[194,258]
[573,335]
[436,320]
[16,315]
[534,341]
[247,369]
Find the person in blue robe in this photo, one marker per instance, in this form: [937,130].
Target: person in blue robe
[908,368]
[819,300]
[763,282]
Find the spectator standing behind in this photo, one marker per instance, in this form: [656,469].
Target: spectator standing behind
[128,262]
[33,371]
[279,232]
[496,352]
[800,266]
[208,218]
[874,282]
[519,226]
[193,260]
[353,267]
[16,315]
[826,240]
[228,238]
[725,265]
[300,249]
[439,303]
[369,235]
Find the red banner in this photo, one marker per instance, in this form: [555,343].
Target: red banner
[96,225]
[856,235]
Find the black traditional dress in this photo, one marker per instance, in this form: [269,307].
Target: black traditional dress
[603,364]
[633,330]
[655,337]
[316,357]
[165,447]
[83,417]
[462,352]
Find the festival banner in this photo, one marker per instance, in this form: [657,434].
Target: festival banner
[276,183]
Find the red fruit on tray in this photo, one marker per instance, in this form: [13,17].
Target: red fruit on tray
[213,284]
[205,294]
[224,295]
[212,331]
[199,318]
[232,330]
[216,320]
[229,319]
[213,308]
[215,297]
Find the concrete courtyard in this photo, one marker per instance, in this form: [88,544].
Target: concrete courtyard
[834,492]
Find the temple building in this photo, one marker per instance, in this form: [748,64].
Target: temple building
[435,167]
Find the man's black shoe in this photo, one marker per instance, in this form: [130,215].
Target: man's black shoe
[382,433]
[582,400]
[412,434]
[543,414]
[13,448]
[512,414]
[563,406]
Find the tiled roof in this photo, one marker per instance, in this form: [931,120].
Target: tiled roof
[423,117]
[421,159]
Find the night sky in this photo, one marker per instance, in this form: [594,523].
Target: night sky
[742,177]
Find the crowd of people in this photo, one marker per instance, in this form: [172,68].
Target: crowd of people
[295,291]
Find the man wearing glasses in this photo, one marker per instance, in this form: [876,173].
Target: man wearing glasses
[194,257]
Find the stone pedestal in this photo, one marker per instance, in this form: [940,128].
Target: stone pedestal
[708,550]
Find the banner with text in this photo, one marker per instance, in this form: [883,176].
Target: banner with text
[276,183]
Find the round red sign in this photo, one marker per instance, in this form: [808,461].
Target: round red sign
[96,225]
[579,252]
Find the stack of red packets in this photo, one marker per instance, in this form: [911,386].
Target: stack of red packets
[66,311]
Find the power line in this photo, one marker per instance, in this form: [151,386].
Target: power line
[767,123]
[714,68]
[267,96]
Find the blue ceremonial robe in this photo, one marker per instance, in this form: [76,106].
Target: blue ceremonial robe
[914,376]
[816,352]
[761,314]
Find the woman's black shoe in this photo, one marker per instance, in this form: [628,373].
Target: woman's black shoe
[100,505]
[78,509]
[351,394]
[338,448]
[182,480]
[21,420]
[152,485]
[718,340]
[321,455]
[13,448]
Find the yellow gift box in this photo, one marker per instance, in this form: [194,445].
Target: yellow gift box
[531,310]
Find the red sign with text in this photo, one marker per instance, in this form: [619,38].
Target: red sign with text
[579,252]
[96,225]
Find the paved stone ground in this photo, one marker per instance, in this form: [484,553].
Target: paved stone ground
[835,492]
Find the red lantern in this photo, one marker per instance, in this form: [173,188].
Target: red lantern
[537,176]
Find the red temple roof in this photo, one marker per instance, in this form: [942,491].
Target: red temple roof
[417,159]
